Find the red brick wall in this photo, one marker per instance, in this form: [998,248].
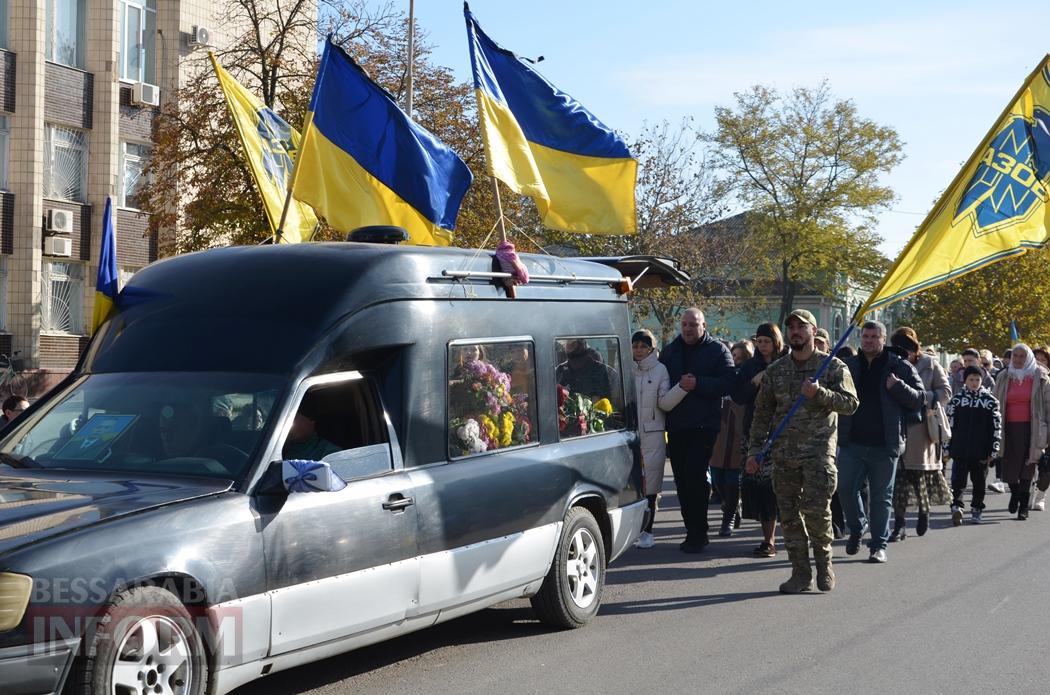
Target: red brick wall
[61,352]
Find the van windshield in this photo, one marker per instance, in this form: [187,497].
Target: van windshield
[198,424]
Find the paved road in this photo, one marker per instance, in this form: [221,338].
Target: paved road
[959,610]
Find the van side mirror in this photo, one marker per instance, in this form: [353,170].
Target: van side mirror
[310,476]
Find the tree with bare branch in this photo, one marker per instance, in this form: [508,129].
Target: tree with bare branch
[807,167]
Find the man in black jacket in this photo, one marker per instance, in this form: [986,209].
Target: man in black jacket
[872,439]
[703,373]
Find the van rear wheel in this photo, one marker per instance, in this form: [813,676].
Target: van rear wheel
[572,590]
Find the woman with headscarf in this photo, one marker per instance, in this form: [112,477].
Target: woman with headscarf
[920,481]
[1023,390]
[756,491]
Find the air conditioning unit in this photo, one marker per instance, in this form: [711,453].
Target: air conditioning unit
[199,36]
[59,221]
[58,246]
[144,94]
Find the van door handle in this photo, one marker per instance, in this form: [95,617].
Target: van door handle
[398,502]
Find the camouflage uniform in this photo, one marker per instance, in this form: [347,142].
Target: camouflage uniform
[804,473]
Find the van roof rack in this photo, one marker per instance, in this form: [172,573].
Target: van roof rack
[646,272]
[533,277]
[637,271]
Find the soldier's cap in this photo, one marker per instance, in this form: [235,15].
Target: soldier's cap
[823,333]
[803,316]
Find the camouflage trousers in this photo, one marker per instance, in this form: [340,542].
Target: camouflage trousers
[804,491]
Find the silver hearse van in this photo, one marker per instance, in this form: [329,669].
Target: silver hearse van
[272,455]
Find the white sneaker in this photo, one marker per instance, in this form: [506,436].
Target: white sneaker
[1039,503]
[645,540]
[998,486]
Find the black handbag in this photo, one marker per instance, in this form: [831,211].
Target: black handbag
[1044,463]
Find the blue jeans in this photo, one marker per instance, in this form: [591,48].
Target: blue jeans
[877,465]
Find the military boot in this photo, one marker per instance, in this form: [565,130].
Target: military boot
[801,578]
[825,573]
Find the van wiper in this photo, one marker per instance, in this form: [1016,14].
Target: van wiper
[18,461]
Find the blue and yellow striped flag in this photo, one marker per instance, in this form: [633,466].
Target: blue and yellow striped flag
[995,208]
[544,144]
[270,146]
[365,162]
[106,288]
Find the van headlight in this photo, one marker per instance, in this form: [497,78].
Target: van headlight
[15,590]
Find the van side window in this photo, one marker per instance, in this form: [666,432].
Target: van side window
[341,423]
[590,386]
[491,396]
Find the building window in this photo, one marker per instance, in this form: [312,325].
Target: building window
[5,145]
[62,298]
[65,31]
[3,293]
[590,386]
[3,24]
[134,158]
[138,40]
[65,163]
[491,396]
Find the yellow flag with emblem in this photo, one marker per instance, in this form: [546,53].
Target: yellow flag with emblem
[995,208]
[270,145]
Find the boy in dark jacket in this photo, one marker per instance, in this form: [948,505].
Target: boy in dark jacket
[975,420]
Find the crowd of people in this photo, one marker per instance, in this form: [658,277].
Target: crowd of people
[836,447]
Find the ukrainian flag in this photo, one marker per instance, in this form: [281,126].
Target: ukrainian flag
[544,144]
[106,284]
[270,145]
[996,207]
[364,162]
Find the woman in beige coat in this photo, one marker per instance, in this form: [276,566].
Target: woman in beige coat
[920,480]
[652,384]
[1023,390]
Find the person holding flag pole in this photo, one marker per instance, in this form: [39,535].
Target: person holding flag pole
[994,209]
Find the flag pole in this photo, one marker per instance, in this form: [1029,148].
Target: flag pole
[291,181]
[411,54]
[499,209]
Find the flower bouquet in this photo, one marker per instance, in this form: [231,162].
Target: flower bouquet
[578,414]
[494,417]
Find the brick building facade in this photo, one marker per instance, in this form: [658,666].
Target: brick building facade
[78,84]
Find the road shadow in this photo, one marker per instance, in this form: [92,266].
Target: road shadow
[677,603]
[502,622]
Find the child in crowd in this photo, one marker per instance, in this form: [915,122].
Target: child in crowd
[975,421]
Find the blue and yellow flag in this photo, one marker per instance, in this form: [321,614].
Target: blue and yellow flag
[270,146]
[544,144]
[365,162]
[106,288]
[996,207]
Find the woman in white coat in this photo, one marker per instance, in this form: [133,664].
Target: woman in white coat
[651,385]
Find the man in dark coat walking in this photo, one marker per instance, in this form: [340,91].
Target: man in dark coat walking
[703,373]
[872,439]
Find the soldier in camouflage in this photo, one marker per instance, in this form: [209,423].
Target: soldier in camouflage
[804,473]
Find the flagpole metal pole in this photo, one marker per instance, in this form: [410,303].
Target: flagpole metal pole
[499,209]
[284,216]
[411,53]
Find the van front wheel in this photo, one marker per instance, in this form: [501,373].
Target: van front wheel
[572,590]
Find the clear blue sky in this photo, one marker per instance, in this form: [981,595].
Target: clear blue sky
[938,72]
